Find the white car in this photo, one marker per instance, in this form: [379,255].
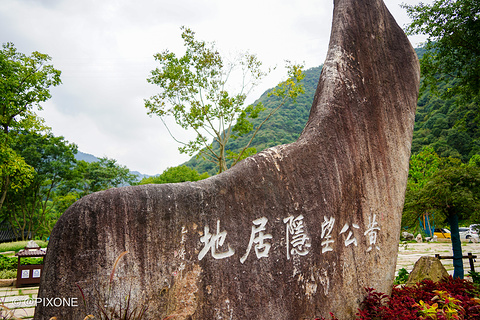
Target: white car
[475,227]
[468,234]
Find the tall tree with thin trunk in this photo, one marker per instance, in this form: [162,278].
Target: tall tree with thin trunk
[197,91]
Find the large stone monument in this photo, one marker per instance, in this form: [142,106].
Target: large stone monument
[293,232]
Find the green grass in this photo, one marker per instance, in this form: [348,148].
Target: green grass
[19,245]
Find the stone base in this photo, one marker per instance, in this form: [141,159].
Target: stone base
[8,282]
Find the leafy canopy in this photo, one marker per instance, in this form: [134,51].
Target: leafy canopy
[31,208]
[90,177]
[453,44]
[25,82]
[174,175]
[196,91]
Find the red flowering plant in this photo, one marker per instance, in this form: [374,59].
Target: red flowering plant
[446,299]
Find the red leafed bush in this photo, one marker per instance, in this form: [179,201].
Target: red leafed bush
[446,299]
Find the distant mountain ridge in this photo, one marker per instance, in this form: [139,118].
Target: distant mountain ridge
[85,157]
[91,158]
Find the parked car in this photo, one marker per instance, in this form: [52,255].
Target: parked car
[442,233]
[475,227]
[467,233]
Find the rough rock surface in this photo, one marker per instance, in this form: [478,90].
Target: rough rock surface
[407,236]
[427,268]
[294,232]
[419,238]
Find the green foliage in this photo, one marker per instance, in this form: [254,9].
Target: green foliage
[450,68]
[16,172]
[445,299]
[422,166]
[475,277]
[402,277]
[451,130]
[100,175]
[453,190]
[39,176]
[443,306]
[452,47]
[11,263]
[25,82]
[31,208]
[8,263]
[8,274]
[195,91]
[174,175]
[452,194]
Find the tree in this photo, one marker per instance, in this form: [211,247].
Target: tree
[174,175]
[31,209]
[453,193]
[195,91]
[453,44]
[422,166]
[100,175]
[25,82]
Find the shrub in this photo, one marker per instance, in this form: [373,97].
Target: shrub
[8,274]
[475,277]
[8,263]
[30,260]
[11,263]
[446,299]
[402,277]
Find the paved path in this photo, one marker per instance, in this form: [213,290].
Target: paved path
[19,301]
[409,253]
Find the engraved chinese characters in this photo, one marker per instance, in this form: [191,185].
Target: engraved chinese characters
[213,243]
[297,240]
[296,236]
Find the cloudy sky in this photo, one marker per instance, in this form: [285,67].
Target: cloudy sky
[105,52]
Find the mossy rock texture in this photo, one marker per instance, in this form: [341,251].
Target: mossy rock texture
[427,268]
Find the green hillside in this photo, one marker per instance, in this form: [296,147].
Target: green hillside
[450,130]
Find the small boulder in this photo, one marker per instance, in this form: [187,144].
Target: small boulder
[427,268]
[407,236]
[419,238]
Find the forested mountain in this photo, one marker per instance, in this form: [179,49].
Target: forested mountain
[450,130]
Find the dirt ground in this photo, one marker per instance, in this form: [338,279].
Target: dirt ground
[409,253]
